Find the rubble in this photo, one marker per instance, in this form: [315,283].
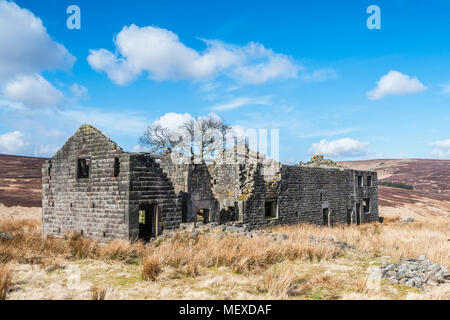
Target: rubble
[6,236]
[407,220]
[319,161]
[416,272]
[340,244]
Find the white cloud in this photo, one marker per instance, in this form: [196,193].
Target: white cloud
[240,102]
[46,129]
[78,91]
[441,149]
[46,150]
[173,120]
[290,161]
[9,105]
[139,148]
[320,75]
[33,91]
[160,53]
[124,123]
[12,142]
[446,87]
[346,147]
[268,65]
[397,83]
[26,49]
[25,45]
[327,133]
[240,132]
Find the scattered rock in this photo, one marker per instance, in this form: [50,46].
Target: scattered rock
[407,220]
[233,229]
[195,233]
[6,236]
[344,245]
[415,272]
[340,244]
[189,226]
[319,161]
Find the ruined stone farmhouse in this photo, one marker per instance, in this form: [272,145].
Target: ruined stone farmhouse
[93,187]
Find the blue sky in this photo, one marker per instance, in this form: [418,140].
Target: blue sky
[311,69]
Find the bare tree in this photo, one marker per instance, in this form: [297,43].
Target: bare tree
[158,139]
[197,138]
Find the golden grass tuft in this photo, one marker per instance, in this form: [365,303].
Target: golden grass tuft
[6,275]
[151,268]
[393,239]
[279,282]
[98,293]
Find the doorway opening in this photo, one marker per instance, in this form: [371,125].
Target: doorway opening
[203,215]
[148,221]
[270,209]
[233,214]
[349,217]
[358,214]
[366,205]
[184,211]
[326,216]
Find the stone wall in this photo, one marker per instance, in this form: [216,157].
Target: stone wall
[226,188]
[193,183]
[95,207]
[200,191]
[105,203]
[364,192]
[302,194]
[150,185]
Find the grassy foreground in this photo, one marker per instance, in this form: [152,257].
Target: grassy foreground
[213,265]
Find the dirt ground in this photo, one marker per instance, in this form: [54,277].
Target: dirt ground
[18,212]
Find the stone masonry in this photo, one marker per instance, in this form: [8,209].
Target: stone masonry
[93,187]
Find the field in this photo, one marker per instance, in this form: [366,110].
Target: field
[212,265]
[308,264]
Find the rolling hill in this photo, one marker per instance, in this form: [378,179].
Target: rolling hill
[20,181]
[20,184]
[430,179]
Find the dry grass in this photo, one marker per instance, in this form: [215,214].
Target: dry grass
[242,254]
[28,247]
[182,252]
[280,282]
[392,238]
[6,275]
[315,285]
[98,293]
[151,268]
[273,262]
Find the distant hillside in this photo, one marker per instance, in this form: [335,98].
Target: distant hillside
[430,179]
[20,181]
